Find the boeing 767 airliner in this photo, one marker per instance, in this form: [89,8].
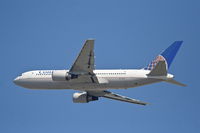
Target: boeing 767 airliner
[93,84]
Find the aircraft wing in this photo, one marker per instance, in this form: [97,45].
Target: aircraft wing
[84,63]
[110,95]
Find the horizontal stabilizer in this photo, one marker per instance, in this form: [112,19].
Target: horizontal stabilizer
[172,81]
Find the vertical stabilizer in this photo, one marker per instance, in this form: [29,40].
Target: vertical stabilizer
[167,56]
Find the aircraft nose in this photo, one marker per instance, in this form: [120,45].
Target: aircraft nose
[16,80]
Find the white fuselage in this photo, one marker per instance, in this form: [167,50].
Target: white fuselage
[107,79]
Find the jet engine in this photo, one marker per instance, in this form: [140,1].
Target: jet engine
[83,98]
[62,75]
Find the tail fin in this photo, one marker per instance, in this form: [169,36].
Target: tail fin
[159,70]
[167,56]
[161,64]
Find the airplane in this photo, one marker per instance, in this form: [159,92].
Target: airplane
[93,84]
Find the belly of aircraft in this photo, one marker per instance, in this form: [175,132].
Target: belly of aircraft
[111,84]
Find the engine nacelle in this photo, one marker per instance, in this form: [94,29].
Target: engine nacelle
[62,75]
[83,98]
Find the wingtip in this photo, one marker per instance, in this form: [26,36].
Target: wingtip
[146,104]
[143,103]
[184,85]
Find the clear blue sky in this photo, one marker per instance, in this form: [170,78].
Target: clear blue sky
[48,34]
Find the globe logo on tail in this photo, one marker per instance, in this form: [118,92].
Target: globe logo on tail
[155,62]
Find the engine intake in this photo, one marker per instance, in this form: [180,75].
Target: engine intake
[62,75]
[83,98]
